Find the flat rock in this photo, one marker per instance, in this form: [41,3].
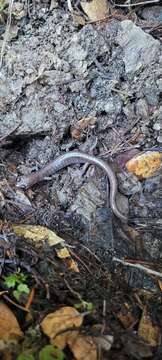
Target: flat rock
[152,13]
[139,48]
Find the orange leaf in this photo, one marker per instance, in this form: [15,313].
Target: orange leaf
[148,331]
[127,319]
[95,9]
[61,321]
[83,347]
[145,165]
[9,328]
[79,129]
[65,255]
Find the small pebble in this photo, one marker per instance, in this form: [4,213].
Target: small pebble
[159,84]
[142,109]
[157,126]
[159,139]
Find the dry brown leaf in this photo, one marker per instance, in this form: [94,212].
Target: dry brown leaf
[127,319]
[72,265]
[22,199]
[60,321]
[83,347]
[7,355]
[160,284]
[78,19]
[65,255]
[148,331]
[10,331]
[37,233]
[145,165]
[78,130]
[95,9]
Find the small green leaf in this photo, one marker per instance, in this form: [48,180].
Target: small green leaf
[50,352]
[78,306]
[23,288]
[89,306]
[25,357]
[10,281]
[16,294]
[85,305]
[21,278]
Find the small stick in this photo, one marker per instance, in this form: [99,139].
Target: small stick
[30,298]
[81,261]
[137,4]
[104,317]
[14,303]
[92,253]
[139,266]
[75,293]
[47,291]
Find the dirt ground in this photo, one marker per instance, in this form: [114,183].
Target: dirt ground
[95,88]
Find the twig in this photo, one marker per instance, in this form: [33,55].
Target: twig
[121,137]
[137,4]
[30,298]
[47,291]
[104,317]
[75,293]
[92,253]
[14,303]
[138,266]
[81,261]
[7,31]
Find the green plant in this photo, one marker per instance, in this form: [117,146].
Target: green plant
[88,306]
[17,281]
[50,352]
[25,357]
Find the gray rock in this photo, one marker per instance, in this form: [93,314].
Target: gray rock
[159,84]
[113,106]
[62,197]
[157,126]
[142,109]
[159,139]
[8,122]
[140,49]
[59,108]
[129,183]
[152,13]
[34,121]
[87,201]
[122,203]
[151,93]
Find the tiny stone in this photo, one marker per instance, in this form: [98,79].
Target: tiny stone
[159,139]
[157,126]
[152,13]
[142,109]
[159,84]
